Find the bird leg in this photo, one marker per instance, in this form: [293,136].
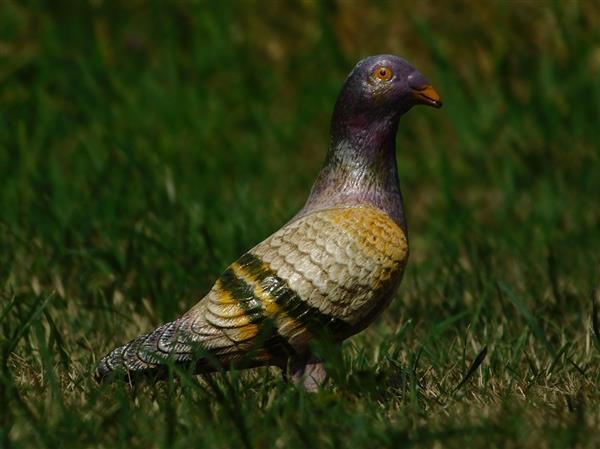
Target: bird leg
[306,371]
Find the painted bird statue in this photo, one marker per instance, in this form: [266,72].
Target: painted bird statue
[330,270]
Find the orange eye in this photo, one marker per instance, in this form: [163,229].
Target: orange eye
[383,73]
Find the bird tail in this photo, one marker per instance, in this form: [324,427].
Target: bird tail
[151,352]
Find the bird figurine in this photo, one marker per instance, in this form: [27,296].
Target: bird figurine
[329,271]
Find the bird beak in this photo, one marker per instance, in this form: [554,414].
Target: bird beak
[427,95]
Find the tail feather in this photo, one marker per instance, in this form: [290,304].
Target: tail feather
[149,352]
[183,341]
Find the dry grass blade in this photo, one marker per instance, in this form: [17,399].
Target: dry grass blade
[476,363]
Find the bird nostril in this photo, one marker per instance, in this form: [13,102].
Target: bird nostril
[417,81]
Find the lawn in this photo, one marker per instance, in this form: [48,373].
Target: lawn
[144,145]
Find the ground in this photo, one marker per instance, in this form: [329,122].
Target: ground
[144,146]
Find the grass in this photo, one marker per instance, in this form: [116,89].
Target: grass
[144,146]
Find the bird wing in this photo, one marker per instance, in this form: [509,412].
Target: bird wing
[324,272]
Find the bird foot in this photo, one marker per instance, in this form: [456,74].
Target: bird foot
[307,372]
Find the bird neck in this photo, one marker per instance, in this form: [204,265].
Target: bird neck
[360,168]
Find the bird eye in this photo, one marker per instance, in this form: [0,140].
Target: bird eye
[383,73]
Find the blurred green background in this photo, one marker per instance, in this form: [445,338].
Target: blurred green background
[144,145]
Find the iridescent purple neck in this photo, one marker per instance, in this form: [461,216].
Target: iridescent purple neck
[360,167]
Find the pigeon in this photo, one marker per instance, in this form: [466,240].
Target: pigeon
[327,273]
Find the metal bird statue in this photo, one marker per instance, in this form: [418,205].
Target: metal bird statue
[330,270]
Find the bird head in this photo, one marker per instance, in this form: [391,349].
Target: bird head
[388,81]
[379,90]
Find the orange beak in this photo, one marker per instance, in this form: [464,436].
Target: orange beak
[427,95]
